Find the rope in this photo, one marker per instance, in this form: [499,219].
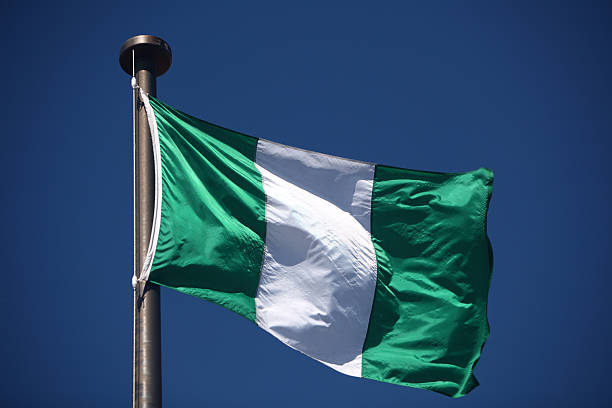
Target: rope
[134,84]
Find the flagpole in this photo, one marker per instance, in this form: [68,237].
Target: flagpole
[146,57]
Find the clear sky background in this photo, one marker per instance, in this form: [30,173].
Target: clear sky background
[522,88]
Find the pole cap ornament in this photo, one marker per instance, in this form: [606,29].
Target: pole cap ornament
[147,47]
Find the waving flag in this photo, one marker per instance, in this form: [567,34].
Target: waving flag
[378,272]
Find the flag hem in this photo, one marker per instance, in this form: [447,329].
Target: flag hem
[148,262]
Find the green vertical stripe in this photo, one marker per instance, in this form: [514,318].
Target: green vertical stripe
[428,322]
[212,229]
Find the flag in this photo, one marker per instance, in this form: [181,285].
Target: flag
[375,271]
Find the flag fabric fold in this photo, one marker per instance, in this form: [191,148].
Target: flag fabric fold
[378,272]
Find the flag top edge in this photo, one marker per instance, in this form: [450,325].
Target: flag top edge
[424,172]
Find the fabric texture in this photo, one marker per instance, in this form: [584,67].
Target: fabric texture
[429,321]
[212,229]
[319,273]
[378,272]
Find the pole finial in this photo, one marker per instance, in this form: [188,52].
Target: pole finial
[146,47]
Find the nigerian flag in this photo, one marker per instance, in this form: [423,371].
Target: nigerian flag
[375,271]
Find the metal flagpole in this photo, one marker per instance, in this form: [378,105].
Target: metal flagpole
[146,57]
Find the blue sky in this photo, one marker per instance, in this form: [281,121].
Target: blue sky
[520,87]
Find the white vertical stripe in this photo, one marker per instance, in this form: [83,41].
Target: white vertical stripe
[319,272]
